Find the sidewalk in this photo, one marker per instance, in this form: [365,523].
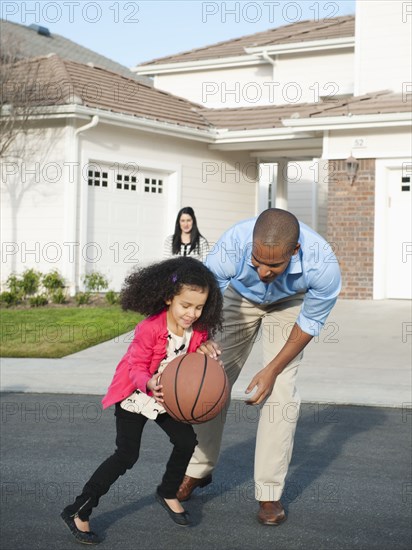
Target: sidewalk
[362,357]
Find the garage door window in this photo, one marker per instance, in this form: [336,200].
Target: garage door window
[153,185]
[126,182]
[95,178]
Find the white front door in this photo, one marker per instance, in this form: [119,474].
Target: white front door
[399,235]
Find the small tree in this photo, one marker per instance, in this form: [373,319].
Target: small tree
[95,282]
[53,281]
[54,284]
[30,282]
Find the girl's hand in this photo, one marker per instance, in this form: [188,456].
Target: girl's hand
[155,388]
[210,348]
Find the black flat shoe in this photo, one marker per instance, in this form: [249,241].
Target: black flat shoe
[180,518]
[86,537]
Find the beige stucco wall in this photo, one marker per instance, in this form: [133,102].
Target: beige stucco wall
[383,57]
[33,177]
[295,78]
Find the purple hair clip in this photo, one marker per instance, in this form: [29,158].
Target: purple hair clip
[174,278]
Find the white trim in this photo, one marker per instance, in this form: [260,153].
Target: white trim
[270,155]
[308,46]
[315,196]
[292,128]
[274,134]
[379,252]
[71,190]
[126,121]
[69,199]
[382,168]
[357,56]
[349,121]
[205,64]
[325,145]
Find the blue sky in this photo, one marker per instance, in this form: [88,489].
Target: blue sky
[133,32]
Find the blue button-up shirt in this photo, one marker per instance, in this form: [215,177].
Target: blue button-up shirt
[314,271]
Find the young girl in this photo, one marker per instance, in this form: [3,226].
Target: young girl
[186,239]
[184,308]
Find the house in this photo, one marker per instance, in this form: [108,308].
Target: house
[301,99]
[106,161]
[95,181]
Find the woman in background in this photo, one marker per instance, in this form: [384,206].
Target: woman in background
[186,239]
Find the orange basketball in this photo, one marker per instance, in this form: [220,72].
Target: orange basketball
[195,388]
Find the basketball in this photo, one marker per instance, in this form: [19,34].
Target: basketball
[195,388]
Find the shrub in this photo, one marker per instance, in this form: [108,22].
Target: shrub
[30,282]
[112,297]
[38,301]
[15,285]
[9,298]
[82,298]
[53,281]
[58,296]
[95,282]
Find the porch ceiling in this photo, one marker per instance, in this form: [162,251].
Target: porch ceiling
[295,148]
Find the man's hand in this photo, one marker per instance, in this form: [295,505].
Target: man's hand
[264,381]
[210,348]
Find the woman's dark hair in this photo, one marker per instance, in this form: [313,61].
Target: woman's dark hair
[194,234]
[147,289]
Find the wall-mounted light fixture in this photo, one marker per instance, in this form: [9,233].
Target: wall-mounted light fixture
[352,166]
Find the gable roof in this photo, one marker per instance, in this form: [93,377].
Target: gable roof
[33,41]
[52,81]
[304,31]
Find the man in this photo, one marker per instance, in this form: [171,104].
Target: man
[281,278]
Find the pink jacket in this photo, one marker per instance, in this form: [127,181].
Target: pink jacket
[143,358]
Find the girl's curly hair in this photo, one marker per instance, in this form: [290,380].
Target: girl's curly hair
[147,289]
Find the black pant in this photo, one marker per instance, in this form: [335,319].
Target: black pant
[129,429]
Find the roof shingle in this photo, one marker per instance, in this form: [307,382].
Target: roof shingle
[253,118]
[338,27]
[56,81]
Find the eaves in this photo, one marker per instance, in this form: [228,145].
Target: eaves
[205,64]
[125,121]
[350,121]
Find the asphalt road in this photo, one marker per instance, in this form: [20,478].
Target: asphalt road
[349,484]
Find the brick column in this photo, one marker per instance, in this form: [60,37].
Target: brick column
[351,213]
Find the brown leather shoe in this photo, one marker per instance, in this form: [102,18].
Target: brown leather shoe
[189,484]
[271,513]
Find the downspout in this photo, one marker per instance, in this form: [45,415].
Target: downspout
[270,60]
[274,186]
[74,200]
[94,122]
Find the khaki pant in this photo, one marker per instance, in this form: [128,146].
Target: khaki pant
[245,322]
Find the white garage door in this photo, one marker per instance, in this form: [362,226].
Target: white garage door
[399,236]
[126,220]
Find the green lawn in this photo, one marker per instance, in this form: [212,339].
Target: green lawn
[56,332]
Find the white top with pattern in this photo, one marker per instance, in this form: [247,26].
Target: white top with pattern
[141,403]
[185,249]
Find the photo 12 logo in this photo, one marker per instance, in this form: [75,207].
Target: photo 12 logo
[272,12]
[71,12]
